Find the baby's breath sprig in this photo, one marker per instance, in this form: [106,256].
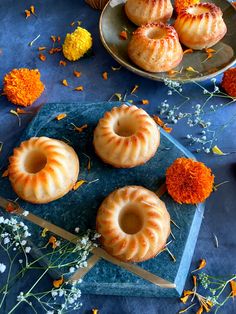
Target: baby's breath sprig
[62,256]
[205,132]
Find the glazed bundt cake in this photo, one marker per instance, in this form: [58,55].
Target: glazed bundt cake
[200,26]
[134,224]
[155,47]
[126,137]
[147,11]
[43,169]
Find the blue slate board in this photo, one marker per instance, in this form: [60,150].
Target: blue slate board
[78,208]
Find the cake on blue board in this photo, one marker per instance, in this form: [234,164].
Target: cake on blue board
[79,208]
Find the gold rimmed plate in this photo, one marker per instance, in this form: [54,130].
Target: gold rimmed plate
[113,20]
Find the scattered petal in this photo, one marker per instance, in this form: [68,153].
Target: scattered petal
[61,116]
[27,13]
[233,288]
[53,38]
[41,48]
[42,57]
[64,82]
[188,51]
[172,72]
[94,311]
[217,151]
[53,241]
[58,283]
[32,9]
[5,173]
[145,101]
[184,299]
[123,35]
[200,310]
[105,75]
[77,74]
[201,265]
[44,232]
[79,88]
[62,62]
[191,69]
[78,184]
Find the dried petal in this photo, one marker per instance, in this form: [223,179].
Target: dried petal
[201,265]
[79,88]
[53,241]
[41,48]
[77,74]
[78,184]
[184,299]
[42,57]
[209,50]
[53,38]
[217,151]
[187,292]
[61,116]
[167,129]
[191,69]
[21,111]
[200,310]
[32,9]
[5,173]
[145,101]
[158,120]
[54,50]
[105,75]
[233,288]
[123,35]
[27,14]
[188,51]
[44,232]
[64,82]
[62,62]
[58,283]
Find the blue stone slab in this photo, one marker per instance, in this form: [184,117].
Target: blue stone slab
[79,208]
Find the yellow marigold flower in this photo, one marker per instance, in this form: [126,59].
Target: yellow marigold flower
[23,86]
[77,44]
[189,181]
[182,4]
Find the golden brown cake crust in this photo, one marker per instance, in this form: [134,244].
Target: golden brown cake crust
[155,47]
[126,137]
[200,26]
[147,11]
[42,169]
[134,224]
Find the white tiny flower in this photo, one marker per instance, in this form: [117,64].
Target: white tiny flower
[207,150]
[6,240]
[1,220]
[169,92]
[77,230]
[50,312]
[23,242]
[27,249]
[72,269]
[20,261]
[2,268]
[204,138]
[54,293]
[25,213]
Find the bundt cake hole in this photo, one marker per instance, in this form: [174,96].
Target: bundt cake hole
[125,127]
[34,161]
[156,33]
[197,10]
[130,220]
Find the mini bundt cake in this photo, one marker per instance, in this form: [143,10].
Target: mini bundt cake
[134,224]
[200,26]
[147,11]
[42,169]
[126,137]
[155,47]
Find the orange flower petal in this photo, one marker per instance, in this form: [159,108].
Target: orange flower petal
[105,75]
[78,184]
[62,62]
[188,51]
[61,116]
[79,88]
[233,288]
[64,82]
[77,74]
[123,35]
[201,265]
[5,173]
[58,283]
[27,14]
[42,57]
[145,101]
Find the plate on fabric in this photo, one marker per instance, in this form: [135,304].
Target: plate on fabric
[79,208]
[113,20]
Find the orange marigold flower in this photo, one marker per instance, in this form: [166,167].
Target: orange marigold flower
[182,4]
[229,82]
[189,181]
[23,86]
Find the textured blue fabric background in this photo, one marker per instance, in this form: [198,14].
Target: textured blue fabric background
[54,18]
